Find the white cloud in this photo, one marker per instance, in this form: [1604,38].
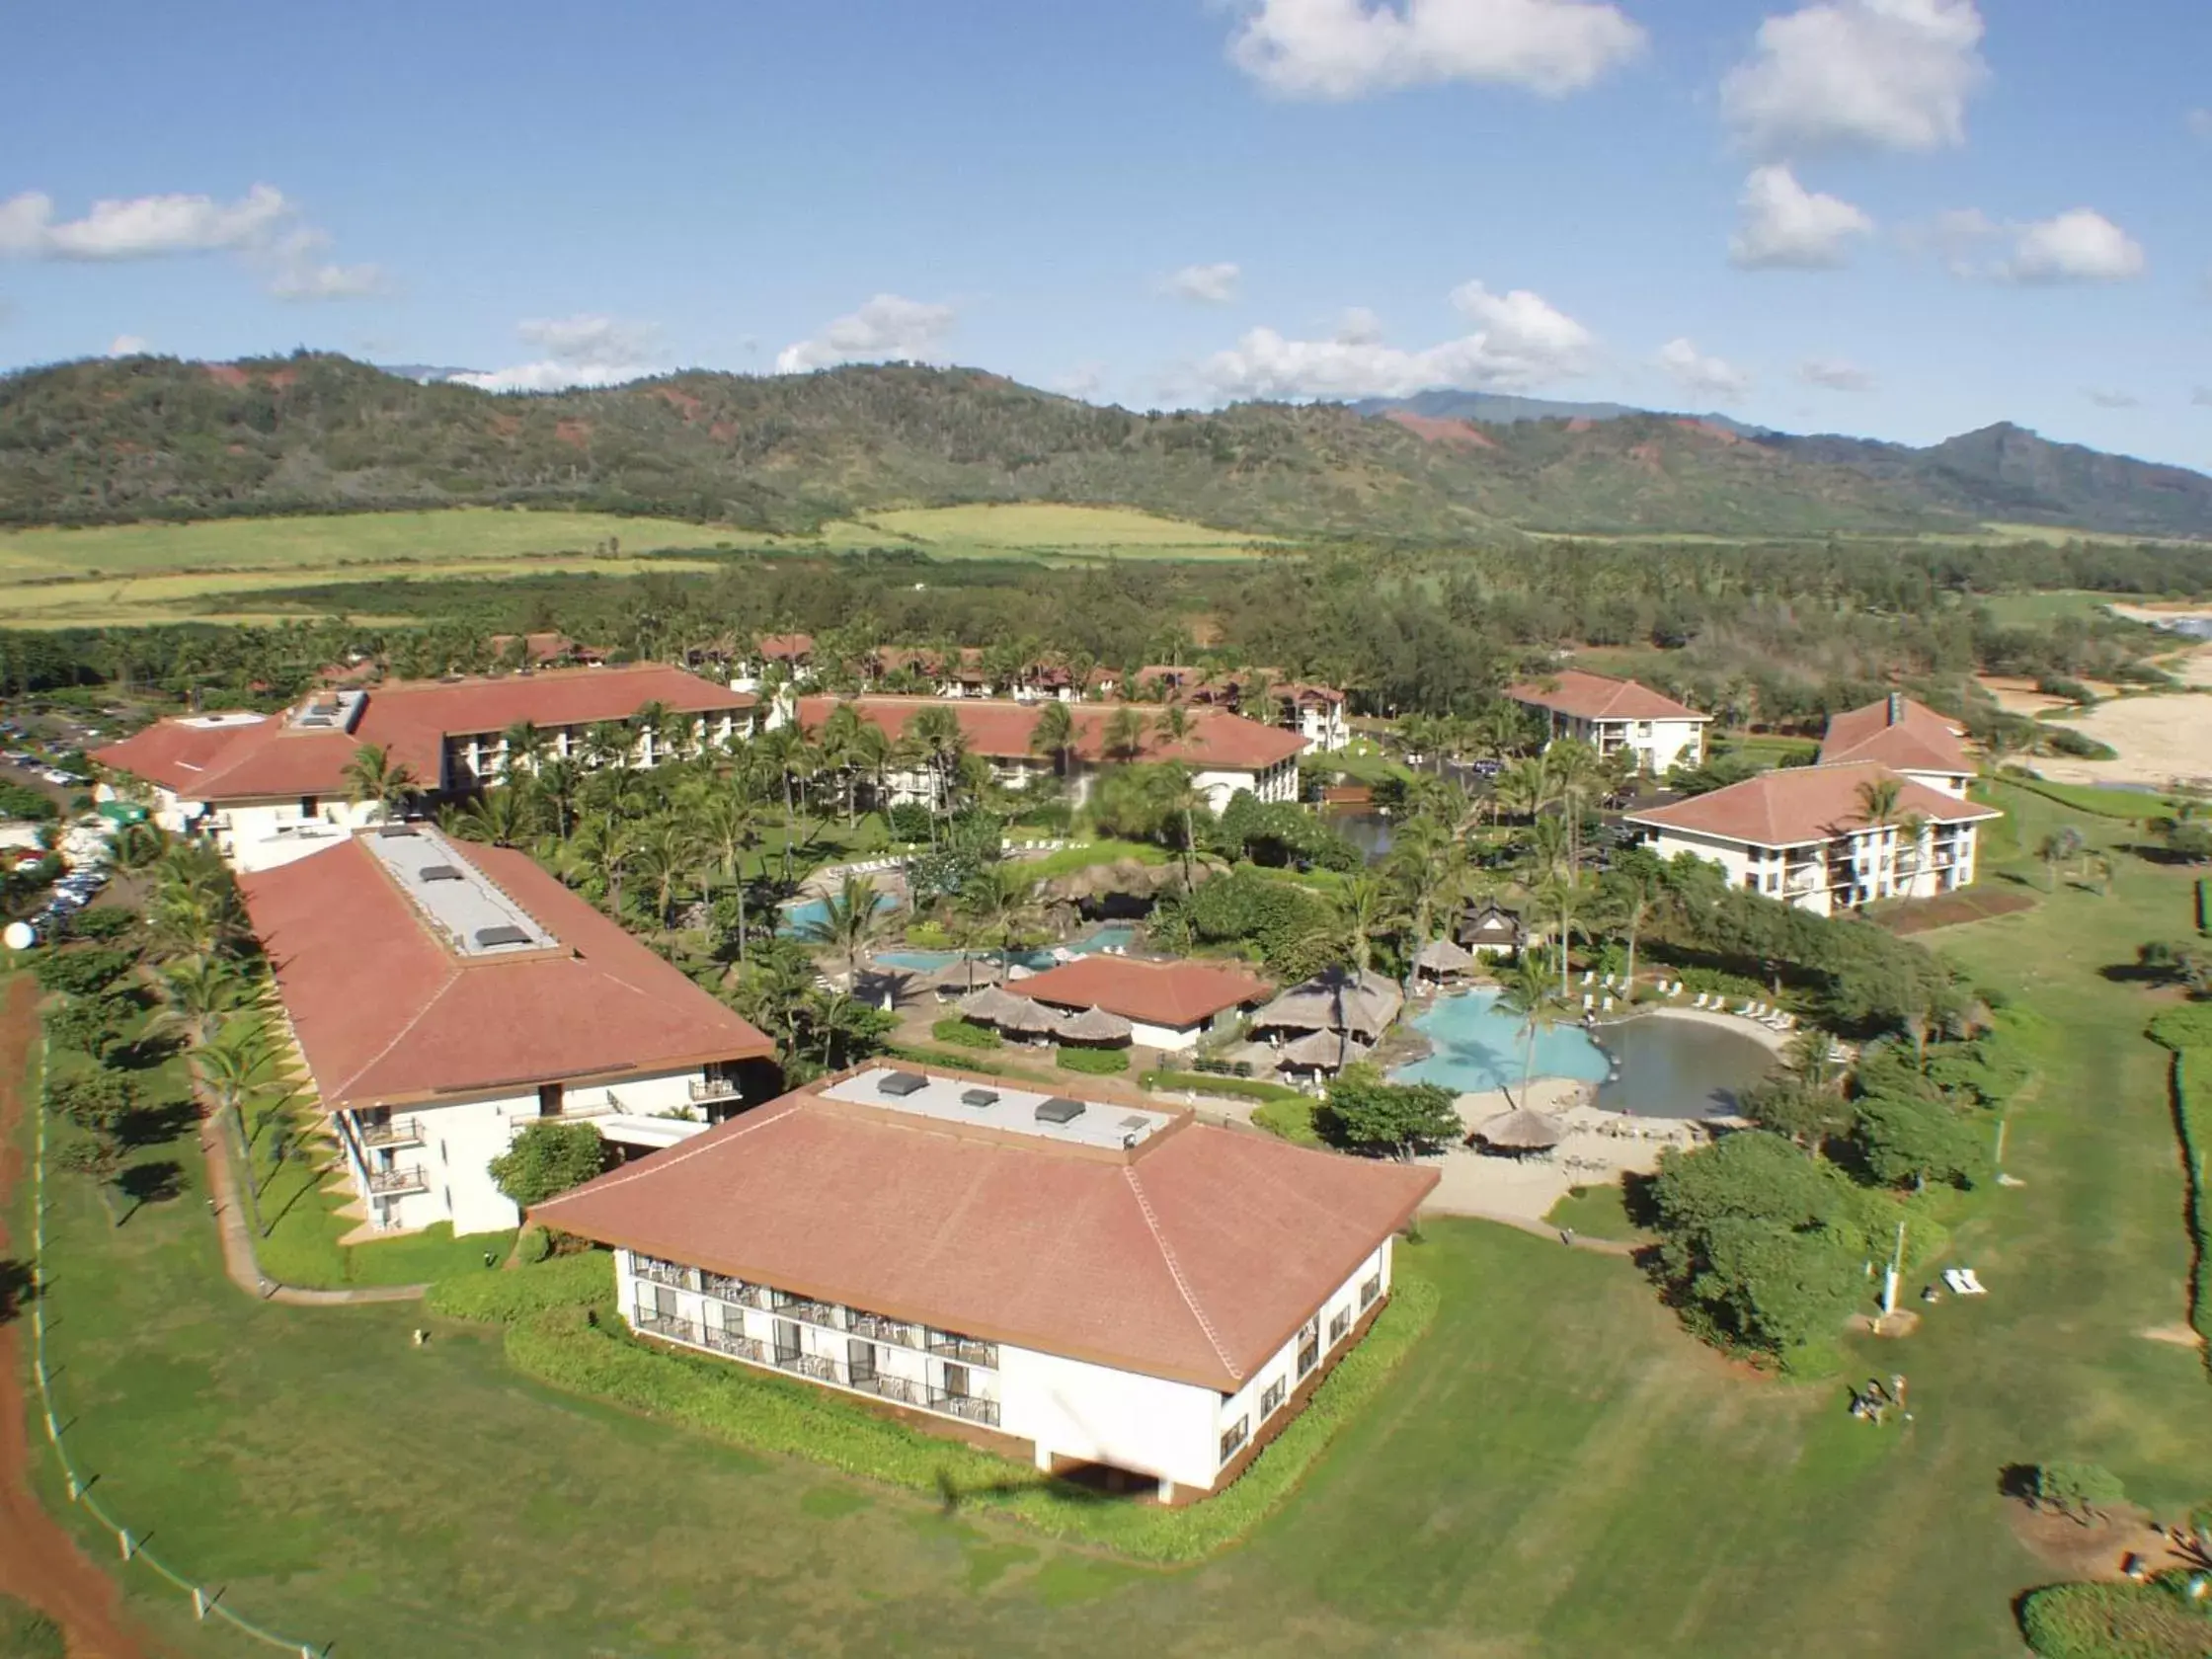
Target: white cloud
[1872,75]
[1348,48]
[2078,246]
[2114,400]
[1208,284]
[887,329]
[261,227]
[586,350]
[1833,374]
[1712,377]
[141,227]
[1785,225]
[1082,381]
[300,272]
[126,346]
[1359,327]
[1520,341]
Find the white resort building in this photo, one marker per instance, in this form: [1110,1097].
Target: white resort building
[1225,752]
[1616,715]
[1805,834]
[1911,739]
[442,995]
[272,788]
[1107,1285]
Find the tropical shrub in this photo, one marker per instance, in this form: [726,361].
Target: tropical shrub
[1094,1062]
[1365,1112]
[2153,1621]
[546,1159]
[965,1034]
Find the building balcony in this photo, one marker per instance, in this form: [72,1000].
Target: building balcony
[964,1350]
[828,1314]
[905,1390]
[712,1088]
[737,1291]
[809,1364]
[739,1347]
[393,1132]
[392,1183]
[874,1328]
[654,1271]
[967,1407]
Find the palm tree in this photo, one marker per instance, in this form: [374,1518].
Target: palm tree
[838,743]
[729,828]
[374,778]
[1053,736]
[1526,991]
[873,753]
[783,751]
[1173,724]
[1364,910]
[1634,889]
[1175,792]
[558,782]
[501,817]
[665,861]
[138,847]
[656,726]
[851,919]
[1525,788]
[523,748]
[605,846]
[2060,845]
[937,733]
[1425,866]
[1001,899]
[608,742]
[200,994]
[1563,896]
[1124,734]
[228,1069]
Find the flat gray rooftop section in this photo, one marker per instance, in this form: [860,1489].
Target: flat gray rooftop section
[1103,1124]
[457,911]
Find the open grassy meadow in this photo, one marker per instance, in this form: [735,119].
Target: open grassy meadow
[1557,1471]
[1041,529]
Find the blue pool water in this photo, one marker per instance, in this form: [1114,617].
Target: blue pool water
[1113,935]
[1646,1066]
[810,912]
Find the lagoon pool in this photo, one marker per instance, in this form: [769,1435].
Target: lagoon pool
[810,913]
[1114,935]
[1646,1066]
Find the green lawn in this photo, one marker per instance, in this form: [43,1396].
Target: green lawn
[1597,1211]
[1557,1471]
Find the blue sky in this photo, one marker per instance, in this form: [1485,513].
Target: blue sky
[1901,218]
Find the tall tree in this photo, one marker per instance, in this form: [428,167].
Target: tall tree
[374,778]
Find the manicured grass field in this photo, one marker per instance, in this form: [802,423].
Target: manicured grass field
[1556,1472]
[1046,529]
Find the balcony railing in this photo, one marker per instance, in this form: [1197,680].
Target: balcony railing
[393,1132]
[657,1272]
[672,1327]
[737,1291]
[827,1314]
[968,1407]
[809,1364]
[946,1345]
[725,1341]
[385,1183]
[903,1390]
[713,1089]
[876,1328]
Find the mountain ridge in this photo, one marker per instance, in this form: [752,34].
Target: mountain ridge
[103,440]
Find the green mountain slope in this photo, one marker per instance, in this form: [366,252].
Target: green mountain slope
[101,441]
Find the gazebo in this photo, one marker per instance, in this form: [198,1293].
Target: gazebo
[989,1005]
[1491,932]
[1322,1053]
[1520,1129]
[1441,958]
[1018,1016]
[1095,1025]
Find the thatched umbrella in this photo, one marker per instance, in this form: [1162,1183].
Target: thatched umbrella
[1522,1131]
[1316,1051]
[1095,1025]
[1023,1017]
[1297,1011]
[989,1005]
[1442,956]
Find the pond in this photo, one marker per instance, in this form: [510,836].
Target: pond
[1646,1066]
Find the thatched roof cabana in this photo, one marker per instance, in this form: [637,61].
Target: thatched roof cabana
[1026,1018]
[1337,1000]
[989,1005]
[1321,1051]
[1522,1131]
[1095,1025]
[1441,957]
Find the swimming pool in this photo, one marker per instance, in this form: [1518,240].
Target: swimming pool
[811,912]
[1114,935]
[1645,1066]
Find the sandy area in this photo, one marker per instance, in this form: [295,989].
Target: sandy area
[2163,738]
[1598,1147]
[2020,696]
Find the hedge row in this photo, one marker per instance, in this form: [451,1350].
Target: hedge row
[960,1034]
[1237,1089]
[1093,1062]
[586,1351]
[505,1299]
[2193,1111]
[1291,1119]
[2114,1621]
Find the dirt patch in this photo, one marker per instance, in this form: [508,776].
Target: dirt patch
[1581,424]
[1647,456]
[2180,1335]
[2164,739]
[38,1563]
[505,426]
[1457,435]
[2100,1550]
[1705,428]
[576,433]
[1918,915]
[2020,696]
[689,406]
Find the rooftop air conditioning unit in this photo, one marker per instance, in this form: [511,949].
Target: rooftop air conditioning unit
[899,1084]
[1059,1110]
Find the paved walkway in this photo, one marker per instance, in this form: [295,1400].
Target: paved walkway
[239,1260]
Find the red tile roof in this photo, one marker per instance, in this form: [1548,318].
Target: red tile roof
[1919,740]
[1170,993]
[411,719]
[1196,1256]
[1797,805]
[1589,696]
[999,728]
[785,647]
[384,1011]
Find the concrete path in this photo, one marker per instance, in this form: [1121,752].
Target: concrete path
[239,1260]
